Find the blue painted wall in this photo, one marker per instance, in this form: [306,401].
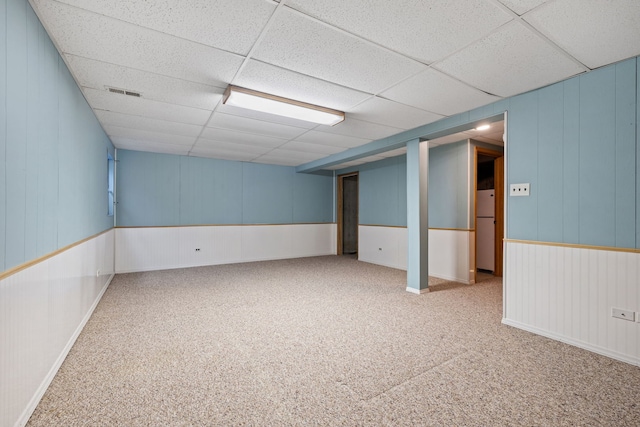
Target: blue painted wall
[576,143]
[53,152]
[162,189]
[382,190]
[449,185]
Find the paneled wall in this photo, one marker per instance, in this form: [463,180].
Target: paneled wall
[383,212]
[450,251]
[383,192]
[44,308]
[575,142]
[159,248]
[53,193]
[53,152]
[567,293]
[166,190]
[449,185]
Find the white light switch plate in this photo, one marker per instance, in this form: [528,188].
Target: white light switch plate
[519,189]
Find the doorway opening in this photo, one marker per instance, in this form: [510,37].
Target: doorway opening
[489,212]
[347,214]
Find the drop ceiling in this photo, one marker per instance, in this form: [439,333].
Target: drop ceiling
[390,66]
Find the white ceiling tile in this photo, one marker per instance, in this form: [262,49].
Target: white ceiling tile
[510,61]
[360,129]
[244,124]
[208,144]
[148,136]
[144,123]
[301,156]
[323,138]
[600,32]
[265,117]
[226,135]
[522,6]
[271,160]
[278,81]
[390,113]
[99,37]
[311,148]
[229,25]
[425,30]
[98,75]
[307,46]
[222,154]
[103,100]
[433,91]
[136,145]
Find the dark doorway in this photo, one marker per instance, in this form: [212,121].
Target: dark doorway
[348,214]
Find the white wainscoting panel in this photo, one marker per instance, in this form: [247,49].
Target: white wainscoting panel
[159,248]
[43,309]
[567,294]
[450,255]
[383,245]
[449,250]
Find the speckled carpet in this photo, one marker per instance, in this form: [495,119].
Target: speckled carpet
[323,341]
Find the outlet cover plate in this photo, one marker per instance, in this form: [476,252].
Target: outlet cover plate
[519,189]
[619,313]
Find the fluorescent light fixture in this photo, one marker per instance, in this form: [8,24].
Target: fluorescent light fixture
[483,127]
[272,104]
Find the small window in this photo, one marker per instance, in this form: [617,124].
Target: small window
[110,184]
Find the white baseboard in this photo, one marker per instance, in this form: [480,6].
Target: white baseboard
[576,343]
[28,411]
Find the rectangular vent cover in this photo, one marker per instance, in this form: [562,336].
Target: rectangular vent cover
[123,92]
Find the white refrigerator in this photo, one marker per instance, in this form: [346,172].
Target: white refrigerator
[485,230]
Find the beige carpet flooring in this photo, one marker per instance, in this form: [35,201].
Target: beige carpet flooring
[323,341]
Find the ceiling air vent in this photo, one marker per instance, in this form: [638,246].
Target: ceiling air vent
[123,92]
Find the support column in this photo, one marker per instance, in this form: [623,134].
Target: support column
[417,217]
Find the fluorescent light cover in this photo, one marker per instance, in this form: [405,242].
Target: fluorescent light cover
[483,127]
[258,101]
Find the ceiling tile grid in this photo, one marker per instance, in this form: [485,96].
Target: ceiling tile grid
[424,30]
[103,100]
[438,93]
[259,127]
[145,123]
[226,135]
[497,64]
[87,34]
[389,113]
[282,82]
[149,136]
[233,26]
[390,66]
[307,46]
[100,75]
[600,32]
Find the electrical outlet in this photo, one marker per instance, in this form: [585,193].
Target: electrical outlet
[519,189]
[98,273]
[379,249]
[197,249]
[619,313]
